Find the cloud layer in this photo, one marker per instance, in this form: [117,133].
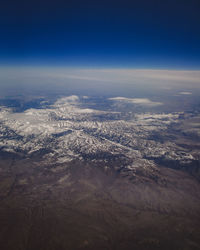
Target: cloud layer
[13,79]
[137,101]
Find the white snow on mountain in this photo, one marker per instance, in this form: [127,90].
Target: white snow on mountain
[66,131]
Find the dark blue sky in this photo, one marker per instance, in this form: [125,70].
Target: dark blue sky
[147,34]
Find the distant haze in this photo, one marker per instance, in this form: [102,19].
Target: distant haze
[54,80]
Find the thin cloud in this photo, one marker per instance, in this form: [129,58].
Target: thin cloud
[185,93]
[137,101]
[19,79]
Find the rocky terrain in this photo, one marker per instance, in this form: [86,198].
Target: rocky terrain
[77,177]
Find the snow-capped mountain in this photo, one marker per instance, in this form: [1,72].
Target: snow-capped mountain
[67,130]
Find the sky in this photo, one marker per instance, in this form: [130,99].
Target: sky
[151,34]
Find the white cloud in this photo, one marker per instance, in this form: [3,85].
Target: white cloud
[185,93]
[138,101]
[68,99]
